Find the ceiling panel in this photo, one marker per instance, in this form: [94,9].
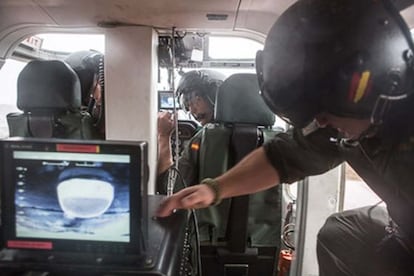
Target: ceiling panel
[253,15]
[159,13]
[259,15]
[21,12]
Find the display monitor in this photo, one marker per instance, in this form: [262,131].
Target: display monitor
[73,196]
[166,100]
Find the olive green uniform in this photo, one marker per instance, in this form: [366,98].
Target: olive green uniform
[264,208]
[351,243]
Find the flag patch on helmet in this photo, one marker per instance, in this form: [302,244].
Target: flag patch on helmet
[360,86]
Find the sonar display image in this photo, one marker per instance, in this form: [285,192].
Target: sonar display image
[72,198]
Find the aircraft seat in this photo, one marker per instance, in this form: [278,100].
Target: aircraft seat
[49,96]
[249,231]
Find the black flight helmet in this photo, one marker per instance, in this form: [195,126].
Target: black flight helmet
[347,57]
[203,83]
[86,65]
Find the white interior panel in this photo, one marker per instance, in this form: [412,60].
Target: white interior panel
[130,83]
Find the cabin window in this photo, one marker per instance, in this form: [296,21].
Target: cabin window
[41,46]
[356,192]
[222,47]
[69,43]
[226,54]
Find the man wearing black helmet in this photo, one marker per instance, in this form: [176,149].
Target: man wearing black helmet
[341,72]
[87,66]
[197,93]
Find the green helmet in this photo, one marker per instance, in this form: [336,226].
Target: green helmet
[203,83]
[86,65]
[347,57]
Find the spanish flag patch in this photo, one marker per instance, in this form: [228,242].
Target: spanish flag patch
[360,86]
[195,146]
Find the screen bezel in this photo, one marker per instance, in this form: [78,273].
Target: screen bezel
[138,195]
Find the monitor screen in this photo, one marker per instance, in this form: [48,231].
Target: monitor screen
[67,195]
[166,100]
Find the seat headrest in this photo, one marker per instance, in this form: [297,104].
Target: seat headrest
[239,101]
[48,85]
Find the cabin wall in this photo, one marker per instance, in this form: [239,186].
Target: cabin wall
[130,83]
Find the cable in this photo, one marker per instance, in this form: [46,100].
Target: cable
[198,245]
[285,233]
[176,149]
[193,217]
[288,227]
[172,173]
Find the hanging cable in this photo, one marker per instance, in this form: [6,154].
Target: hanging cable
[172,174]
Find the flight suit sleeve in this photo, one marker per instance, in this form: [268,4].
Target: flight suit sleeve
[296,156]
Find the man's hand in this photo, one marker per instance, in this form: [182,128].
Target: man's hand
[194,197]
[165,123]
[165,128]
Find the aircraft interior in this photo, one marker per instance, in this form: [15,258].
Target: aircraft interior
[79,201]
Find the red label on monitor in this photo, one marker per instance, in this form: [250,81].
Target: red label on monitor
[77,148]
[30,244]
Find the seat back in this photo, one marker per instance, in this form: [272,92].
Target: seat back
[49,96]
[246,223]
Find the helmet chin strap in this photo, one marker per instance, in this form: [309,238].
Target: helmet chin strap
[369,132]
[350,143]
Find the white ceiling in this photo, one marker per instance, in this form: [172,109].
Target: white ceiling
[255,15]
[19,18]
